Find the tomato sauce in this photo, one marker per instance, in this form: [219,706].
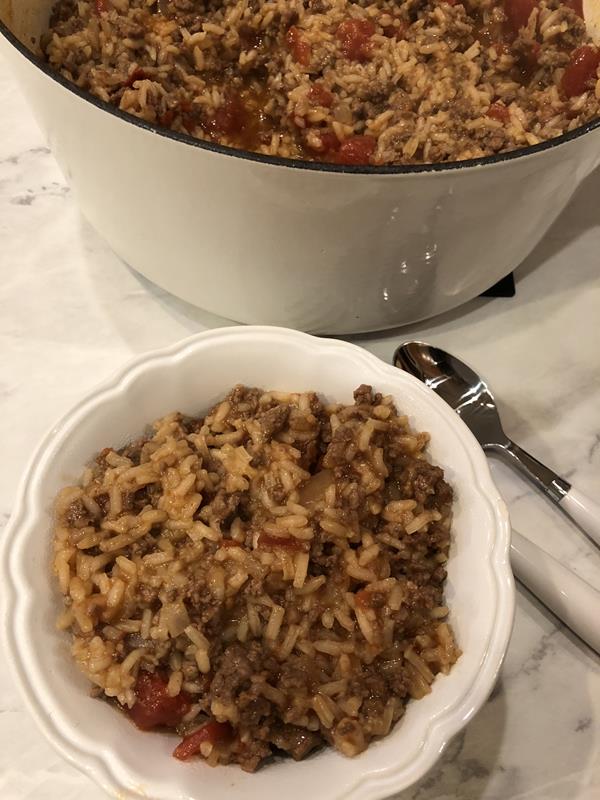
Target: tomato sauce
[241,119]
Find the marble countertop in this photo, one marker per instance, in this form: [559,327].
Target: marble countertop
[71,312]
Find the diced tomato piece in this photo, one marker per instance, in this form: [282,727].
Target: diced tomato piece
[298,46]
[499,112]
[212,732]
[354,36]
[287,542]
[230,118]
[102,6]
[577,6]
[154,706]
[580,71]
[357,150]
[320,96]
[518,13]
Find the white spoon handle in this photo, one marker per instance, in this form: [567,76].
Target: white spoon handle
[582,510]
[568,596]
[585,512]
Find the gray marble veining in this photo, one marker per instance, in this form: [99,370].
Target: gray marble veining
[71,312]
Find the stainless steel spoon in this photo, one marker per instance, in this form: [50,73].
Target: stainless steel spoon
[571,598]
[470,396]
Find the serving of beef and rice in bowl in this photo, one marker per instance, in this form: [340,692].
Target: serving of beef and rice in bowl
[312,571]
[268,577]
[386,82]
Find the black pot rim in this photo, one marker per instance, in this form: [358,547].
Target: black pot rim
[290,163]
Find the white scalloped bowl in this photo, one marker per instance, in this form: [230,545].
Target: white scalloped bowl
[190,376]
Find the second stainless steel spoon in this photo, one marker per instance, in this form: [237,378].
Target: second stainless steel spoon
[470,396]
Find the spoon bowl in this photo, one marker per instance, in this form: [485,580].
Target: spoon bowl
[456,383]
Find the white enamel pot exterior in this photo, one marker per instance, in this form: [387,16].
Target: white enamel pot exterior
[322,249]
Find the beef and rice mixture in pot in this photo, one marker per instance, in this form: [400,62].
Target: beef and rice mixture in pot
[350,82]
[268,578]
